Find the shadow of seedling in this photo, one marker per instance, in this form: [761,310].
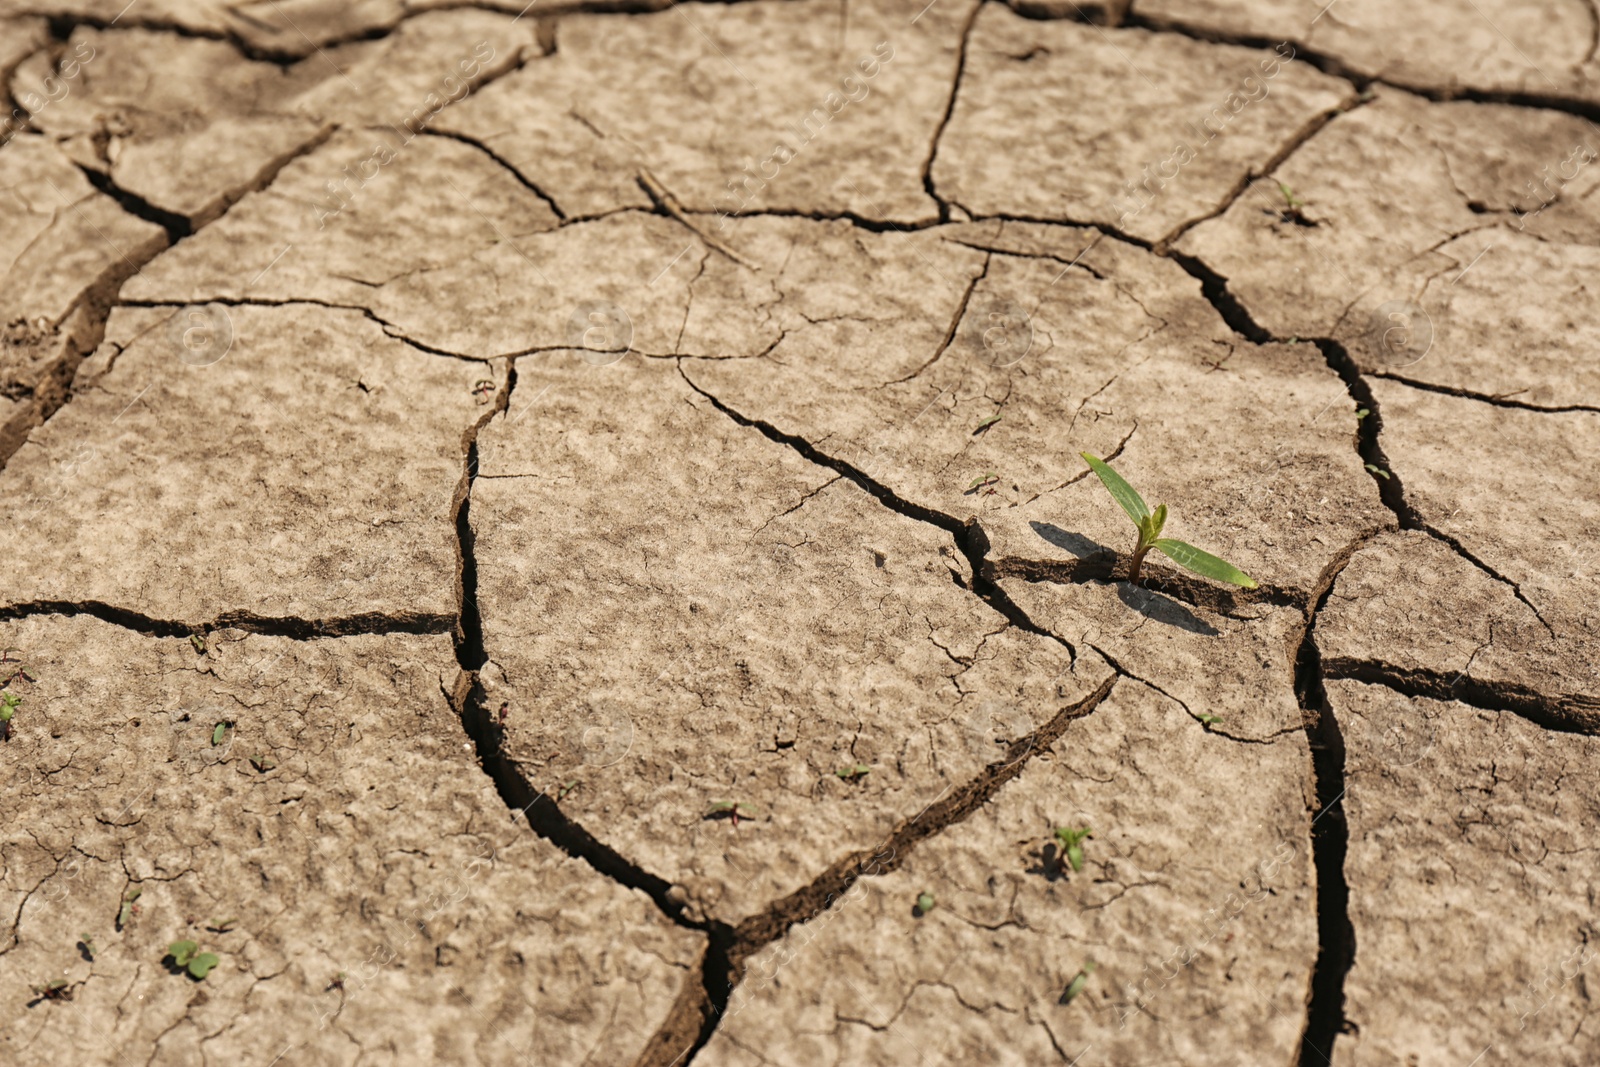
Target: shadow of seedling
[1065,853]
[1158,607]
[731,810]
[55,989]
[1075,543]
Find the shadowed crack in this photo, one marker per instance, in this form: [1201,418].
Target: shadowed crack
[950,109]
[1330,831]
[1575,713]
[299,629]
[1483,398]
[522,179]
[967,534]
[1332,65]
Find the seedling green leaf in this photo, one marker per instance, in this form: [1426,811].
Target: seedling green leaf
[55,989]
[219,732]
[1150,523]
[850,774]
[1208,718]
[1203,563]
[986,423]
[187,954]
[1120,491]
[126,913]
[924,902]
[1071,841]
[1080,982]
[733,809]
[1288,196]
[199,643]
[1379,471]
[983,479]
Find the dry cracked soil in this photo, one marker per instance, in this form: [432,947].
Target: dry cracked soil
[555,534]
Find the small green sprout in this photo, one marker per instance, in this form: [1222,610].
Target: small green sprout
[53,990]
[219,732]
[924,902]
[337,983]
[8,708]
[1208,718]
[853,772]
[985,424]
[1150,523]
[733,809]
[988,479]
[1072,844]
[199,643]
[262,762]
[222,926]
[1379,471]
[1292,202]
[566,787]
[1080,982]
[129,908]
[87,942]
[187,954]
[1362,413]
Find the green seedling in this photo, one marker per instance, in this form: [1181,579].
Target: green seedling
[219,732]
[20,671]
[1150,523]
[187,954]
[1080,982]
[924,902]
[1208,718]
[8,708]
[199,643]
[337,983]
[1362,413]
[851,773]
[1290,201]
[483,390]
[733,809]
[129,908]
[263,763]
[986,481]
[87,941]
[1071,841]
[985,424]
[1379,471]
[222,926]
[53,990]
[566,787]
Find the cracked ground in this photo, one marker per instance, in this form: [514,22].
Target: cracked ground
[556,534]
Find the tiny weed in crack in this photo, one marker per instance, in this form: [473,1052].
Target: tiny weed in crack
[57,989]
[129,909]
[1071,841]
[732,810]
[1079,983]
[186,956]
[1150,523]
